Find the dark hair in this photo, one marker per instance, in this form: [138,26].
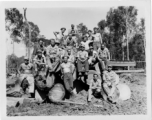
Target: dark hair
[95,28]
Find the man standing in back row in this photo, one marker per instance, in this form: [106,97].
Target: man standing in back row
[97,39]
[60,37]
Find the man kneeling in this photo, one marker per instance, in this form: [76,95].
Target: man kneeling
[94,87]
[110,81]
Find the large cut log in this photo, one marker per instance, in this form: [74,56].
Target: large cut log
[45,84]
[57,93]
[124,90]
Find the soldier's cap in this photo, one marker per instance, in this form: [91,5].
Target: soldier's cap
[95,28]
[85,36]
[56,41]
[109,65]
[39,51]
[95,74]
[65,56]
[26,58]
[91,46]
[63,28]
[82,45]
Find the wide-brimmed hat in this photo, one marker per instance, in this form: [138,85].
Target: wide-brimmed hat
[110,65]
[39,51]
[26,58]
[63,28]
[82,45]
[65,56]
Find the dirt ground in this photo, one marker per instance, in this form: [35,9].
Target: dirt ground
[136,105]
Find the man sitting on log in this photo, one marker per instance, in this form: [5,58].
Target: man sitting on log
[82,61]
[26,71]
[52,55]
[110,80]
[94,87]
[103,57]
[92,55]
[66,69]
[39,61]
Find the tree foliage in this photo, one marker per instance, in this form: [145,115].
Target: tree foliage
[18,28]
[82,28]
[122,25]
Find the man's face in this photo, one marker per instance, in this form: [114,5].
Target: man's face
[63,30]
[26,61]
[95,77]
[52,42]
[90,48]
[95,30]
[109,68]
[102,47]
[39,54]
[41,43]
[70,36]
[83,48]
[65,59]
[72,26]
[69,52]
[90,33]
[85,38]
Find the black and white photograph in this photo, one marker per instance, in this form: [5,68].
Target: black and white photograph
[79,59]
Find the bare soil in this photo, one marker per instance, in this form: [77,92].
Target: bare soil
[136,105]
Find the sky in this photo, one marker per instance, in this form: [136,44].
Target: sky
[52,19]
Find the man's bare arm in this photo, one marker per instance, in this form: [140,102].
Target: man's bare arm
[19,69]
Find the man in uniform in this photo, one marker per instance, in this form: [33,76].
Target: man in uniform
[66,69]
[72,29]
[92,55]
[39,61]
[86,42]
[110,80]
[70,41]
[94,87]
[52,54]
[82,60]
[60,37]
[97,39]
[26,71]
[103,57]
[40,46]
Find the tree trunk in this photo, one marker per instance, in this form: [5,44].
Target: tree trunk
[123,55]
[29,41]
[127,36]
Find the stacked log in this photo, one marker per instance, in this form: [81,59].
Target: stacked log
[57,93]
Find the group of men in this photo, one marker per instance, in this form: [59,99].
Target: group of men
[75,51]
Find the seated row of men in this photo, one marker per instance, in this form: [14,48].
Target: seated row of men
[45,59]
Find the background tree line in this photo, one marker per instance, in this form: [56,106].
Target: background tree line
[123,35]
